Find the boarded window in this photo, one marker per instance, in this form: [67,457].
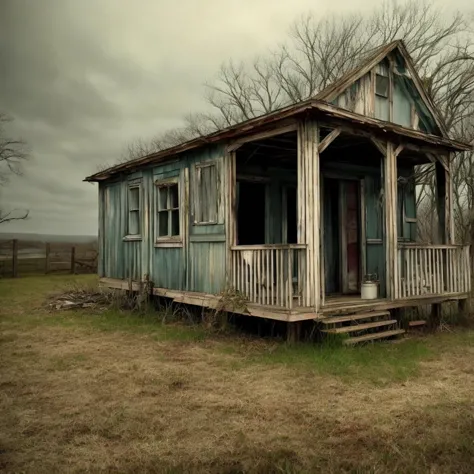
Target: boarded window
[167,219]
[206,194]
[134,210]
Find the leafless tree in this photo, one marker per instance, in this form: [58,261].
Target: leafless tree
[13,152]
[319,49]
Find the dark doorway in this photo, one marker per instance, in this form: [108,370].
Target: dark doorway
[331,236]
[251,213]
[341,234]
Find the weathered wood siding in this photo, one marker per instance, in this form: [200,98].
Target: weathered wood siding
[197,262]
[403,106]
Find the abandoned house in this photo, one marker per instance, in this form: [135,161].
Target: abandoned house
[297,210]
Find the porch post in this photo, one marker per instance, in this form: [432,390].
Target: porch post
[391,234]
[444,199]
[230,212]
[309,209]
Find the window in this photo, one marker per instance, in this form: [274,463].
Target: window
[206,194]
[167,219]
[381,85]
[134,227]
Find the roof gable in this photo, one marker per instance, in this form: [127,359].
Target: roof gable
[407,103]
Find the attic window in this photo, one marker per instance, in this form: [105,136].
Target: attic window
[381,85]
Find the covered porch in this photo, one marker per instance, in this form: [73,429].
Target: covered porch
[315,208]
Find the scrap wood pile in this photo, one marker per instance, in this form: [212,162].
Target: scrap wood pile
[81,298]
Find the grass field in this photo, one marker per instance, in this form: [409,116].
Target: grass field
[115,392]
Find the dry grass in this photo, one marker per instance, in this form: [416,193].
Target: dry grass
[97,393]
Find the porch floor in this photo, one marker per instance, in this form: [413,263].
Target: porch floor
[347,304]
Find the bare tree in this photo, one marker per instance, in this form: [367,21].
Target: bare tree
[13,152]
[318,50]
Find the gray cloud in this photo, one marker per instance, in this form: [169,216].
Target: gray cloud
[83,78]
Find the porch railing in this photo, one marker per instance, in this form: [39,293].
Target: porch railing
[270,274]
[433,270]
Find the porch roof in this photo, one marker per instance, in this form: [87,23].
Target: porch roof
[313,107]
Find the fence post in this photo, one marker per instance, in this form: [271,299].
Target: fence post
[47,262]
[15,259]
[73,259]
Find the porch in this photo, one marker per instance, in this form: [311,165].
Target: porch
[273,276]
[330,205]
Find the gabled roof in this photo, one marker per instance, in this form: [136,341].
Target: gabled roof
[310,106]
[333,90]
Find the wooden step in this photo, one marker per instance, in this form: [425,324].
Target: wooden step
[360,327]
[375,335]
[355,317]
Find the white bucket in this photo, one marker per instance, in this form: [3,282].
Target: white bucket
[368,291]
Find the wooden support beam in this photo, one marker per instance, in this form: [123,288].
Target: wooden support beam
[391,234]
[444,203]
[399,149]
[279,130]
[328,140]
[380,146]
[309,201]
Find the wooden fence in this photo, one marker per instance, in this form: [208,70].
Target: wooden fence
[22,258]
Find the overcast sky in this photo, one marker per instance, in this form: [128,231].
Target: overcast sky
[82,78]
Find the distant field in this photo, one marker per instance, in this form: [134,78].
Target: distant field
[32,256]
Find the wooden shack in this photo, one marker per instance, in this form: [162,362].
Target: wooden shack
[293,209]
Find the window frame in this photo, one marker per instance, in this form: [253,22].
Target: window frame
[134,184]
[386,78]
[196,190]
[168,240]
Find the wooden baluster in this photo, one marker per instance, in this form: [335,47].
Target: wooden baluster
[290,278]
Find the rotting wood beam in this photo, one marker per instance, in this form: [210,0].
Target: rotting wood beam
[328,139]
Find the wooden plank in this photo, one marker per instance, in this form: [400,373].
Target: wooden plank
[374,336]
[280,130]
[290,278]
[360,327]
[399,149]
[379,145]
[328,140]
[354,317]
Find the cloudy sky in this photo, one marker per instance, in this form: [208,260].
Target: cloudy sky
[82,78]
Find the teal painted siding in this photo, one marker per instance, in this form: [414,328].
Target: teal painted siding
[197,265]
[207,267]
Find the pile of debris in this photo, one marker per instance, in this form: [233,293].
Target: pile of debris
[75,299]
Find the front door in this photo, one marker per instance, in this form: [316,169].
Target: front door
[349,231]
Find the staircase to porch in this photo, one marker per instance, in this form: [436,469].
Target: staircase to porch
[363,327]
